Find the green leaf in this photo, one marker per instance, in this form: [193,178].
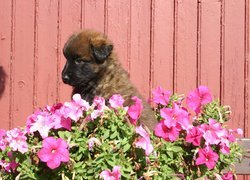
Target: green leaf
[126,147]
[64,134]
[170,154]
[106,134]
[176,149]
[114,135]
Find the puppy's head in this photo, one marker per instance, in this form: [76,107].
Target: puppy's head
[87,53]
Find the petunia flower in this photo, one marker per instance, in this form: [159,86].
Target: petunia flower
[43,124]
[75,108]
[161,96]
[57,117]
[9,166]
[2,133]
[194,136]
[116,101]
[176,114]
[228,176]
[115,174]
[16,139]
[144,141]
[213,132]
[225,146]
[167,130]
[53,152]
[3,142]
[199,97]
[208,157]
[135,110]
[97,107]
[59,121]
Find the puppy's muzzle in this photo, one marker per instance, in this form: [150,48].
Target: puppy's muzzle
[66,78]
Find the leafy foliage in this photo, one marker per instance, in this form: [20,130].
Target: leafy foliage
[102,137]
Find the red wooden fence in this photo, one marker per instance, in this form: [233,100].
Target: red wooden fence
[177,44]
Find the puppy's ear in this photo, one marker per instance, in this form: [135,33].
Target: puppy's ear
[101,49]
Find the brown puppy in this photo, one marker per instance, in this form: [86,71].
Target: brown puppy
[93,70]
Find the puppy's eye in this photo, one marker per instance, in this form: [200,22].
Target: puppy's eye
[79,61]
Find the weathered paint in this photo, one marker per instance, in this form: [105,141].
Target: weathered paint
[247,69]
[140,45]
[233,62]
[162,44]
[118,19]
[22,60]
[209,45]
[46,75]
[5,63]
[185,46]
[69,22]
[177,44]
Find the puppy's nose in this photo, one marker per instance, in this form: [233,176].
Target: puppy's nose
[65,78]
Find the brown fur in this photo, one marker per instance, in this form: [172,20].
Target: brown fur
[110,78]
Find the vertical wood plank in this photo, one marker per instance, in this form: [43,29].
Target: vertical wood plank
[247,68]
[186,46]
[118,23]
[23,61]
[93,14]
[5,44]
[162,44]
[46,63]
[233,70]
[247,72]
[210,45]
[140,45]
[69,24]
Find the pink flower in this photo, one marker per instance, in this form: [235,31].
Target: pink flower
[2,139]
[231,134]
[57,118]
[166,130]
[227,137]
[17,140]
[79,102]
[199,97]
[9,166]
[98,107]
[161,96]
[74,109]
[239,131]
[2,133]
[135,110]
[194,136]
[53,152]
[43,124]
[114,175]
[116,101]
[51,117]
[144,141]
[228,176]
[59,121]
[33,118]
[177,114]
[213,132]
[208,157]
[224,146]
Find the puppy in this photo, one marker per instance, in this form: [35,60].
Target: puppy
[93,70]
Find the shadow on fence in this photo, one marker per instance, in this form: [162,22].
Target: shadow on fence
[2,81]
